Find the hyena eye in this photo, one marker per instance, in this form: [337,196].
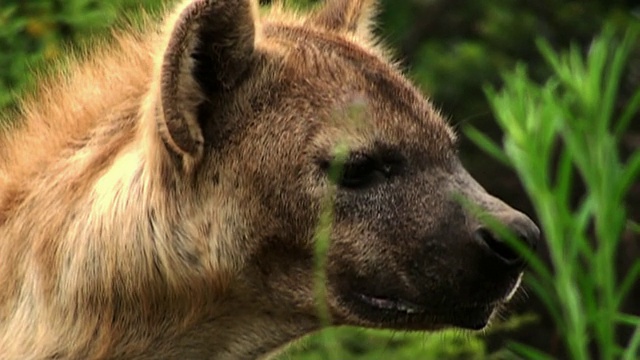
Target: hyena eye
[357,171]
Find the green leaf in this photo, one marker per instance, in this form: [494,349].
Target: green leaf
[628,114]
[627,283]
[486,144]
[621,54]
[528,351]
[629,176]
[564,177]
[632,352]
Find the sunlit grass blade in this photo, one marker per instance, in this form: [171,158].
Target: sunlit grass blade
[528,351]
[548,298]
[621,54]
[630,175]
[486,144]
[632,351]
[322,242]
[630,279]
[628,114]
[627,319]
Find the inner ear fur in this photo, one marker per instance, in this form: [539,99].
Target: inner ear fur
[210,46]
[346,16]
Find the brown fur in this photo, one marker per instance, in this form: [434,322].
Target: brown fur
[161,200]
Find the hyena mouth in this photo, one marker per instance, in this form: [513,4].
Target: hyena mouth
[406,315]
[396,305]
[396,312]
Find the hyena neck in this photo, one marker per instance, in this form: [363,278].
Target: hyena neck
[252,335]
[131,257]
[145,257]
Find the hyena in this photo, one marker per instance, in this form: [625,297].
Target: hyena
[160,198]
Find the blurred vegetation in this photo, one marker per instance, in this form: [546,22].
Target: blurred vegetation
[573,115]
[451,48]
[359,344]
[454,47]
[356,344]
[35,33]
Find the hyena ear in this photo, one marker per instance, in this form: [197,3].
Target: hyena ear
[210,46]
[347,16]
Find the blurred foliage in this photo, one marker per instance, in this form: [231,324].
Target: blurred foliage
[571,117]
[347,343]
[453,48]
[358,344]
[37,32]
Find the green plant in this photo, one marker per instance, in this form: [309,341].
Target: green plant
[573,117]
[352,344]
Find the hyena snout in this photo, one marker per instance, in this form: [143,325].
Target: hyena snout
[495,214]
[522,228]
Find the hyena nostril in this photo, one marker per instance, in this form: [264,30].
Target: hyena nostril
[524,230]
[500,248]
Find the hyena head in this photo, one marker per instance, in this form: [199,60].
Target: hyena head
[272,121]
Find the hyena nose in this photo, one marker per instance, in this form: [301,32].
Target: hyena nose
[524,230]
